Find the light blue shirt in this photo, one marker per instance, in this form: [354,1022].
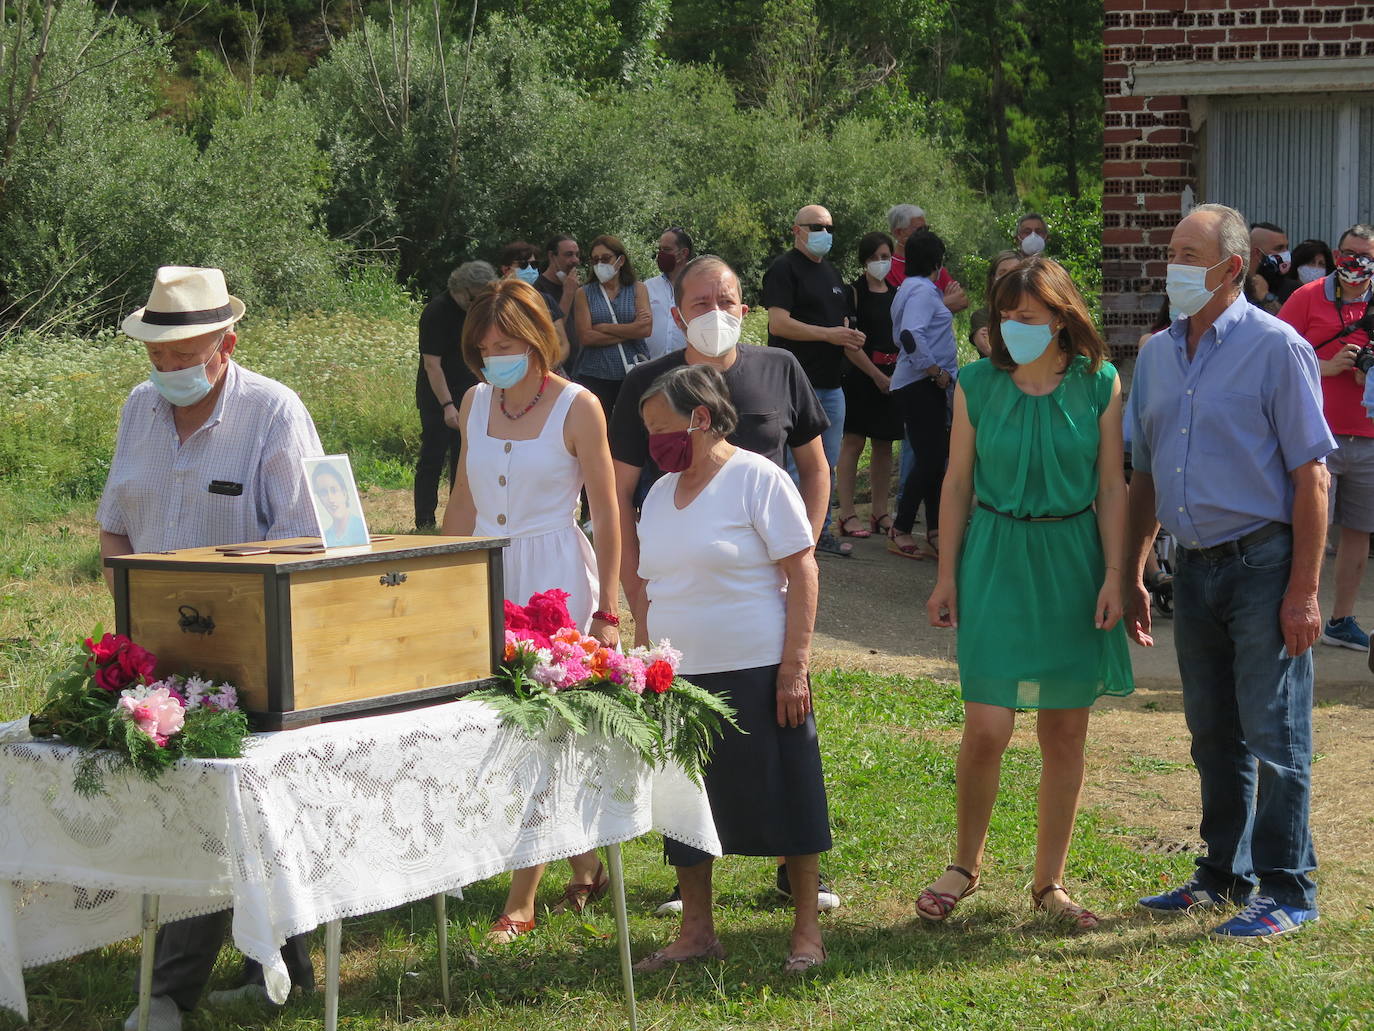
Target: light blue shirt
[1220,434]
[924,331]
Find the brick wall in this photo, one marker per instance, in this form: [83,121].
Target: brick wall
[1149,155]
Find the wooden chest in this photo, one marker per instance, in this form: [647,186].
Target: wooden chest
[312,637]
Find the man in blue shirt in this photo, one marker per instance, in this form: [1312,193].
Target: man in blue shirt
[1229,443]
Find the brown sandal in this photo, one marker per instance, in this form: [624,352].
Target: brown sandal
[942,900]
[860,533]
[578,896]
[505,930]
[1072,912]
[911,551]
[801,962]
[660,959]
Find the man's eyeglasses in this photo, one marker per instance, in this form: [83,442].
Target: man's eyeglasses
[816,227]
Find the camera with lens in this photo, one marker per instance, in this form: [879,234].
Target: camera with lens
[1364,360]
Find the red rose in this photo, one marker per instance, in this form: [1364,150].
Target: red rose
[515,617]
[106,648]
[658,677]
[137,662]
[113,678]
[548,612]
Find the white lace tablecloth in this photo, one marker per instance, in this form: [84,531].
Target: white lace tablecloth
[311,825]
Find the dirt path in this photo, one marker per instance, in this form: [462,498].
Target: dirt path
[872,616]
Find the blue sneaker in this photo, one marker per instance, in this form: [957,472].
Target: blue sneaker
[1265,918]
[1191,895]
[1345,633]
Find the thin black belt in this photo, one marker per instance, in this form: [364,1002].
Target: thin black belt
[1230,549]
[1034,519]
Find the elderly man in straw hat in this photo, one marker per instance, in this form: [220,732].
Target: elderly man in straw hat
[208,453]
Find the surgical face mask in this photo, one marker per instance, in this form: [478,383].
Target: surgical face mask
[506,370]
[1186,286]
[879,269]
[818,242]
[527,274]
[604,272]
[672,452]
[1034,243]
[1310,273]
[713,333]
[182,387]
[1025,341]
[1355,269]
[561,274]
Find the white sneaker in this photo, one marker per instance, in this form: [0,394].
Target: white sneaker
[163,1015]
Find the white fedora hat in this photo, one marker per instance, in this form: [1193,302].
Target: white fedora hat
[185,302]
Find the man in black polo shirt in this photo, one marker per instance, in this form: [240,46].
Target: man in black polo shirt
[559,284]
[441,382]
[809,314]
[777,410]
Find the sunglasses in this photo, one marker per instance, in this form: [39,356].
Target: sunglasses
[528,263]
[817,227]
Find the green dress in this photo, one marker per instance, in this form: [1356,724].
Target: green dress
[1027,590]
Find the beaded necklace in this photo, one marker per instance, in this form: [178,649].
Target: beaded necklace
[526,410]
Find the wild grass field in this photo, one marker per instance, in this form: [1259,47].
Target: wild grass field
[888,741]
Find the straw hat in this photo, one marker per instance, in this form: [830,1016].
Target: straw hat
[185,302]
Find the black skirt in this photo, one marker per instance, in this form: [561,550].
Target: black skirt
[765,786]
[868,412]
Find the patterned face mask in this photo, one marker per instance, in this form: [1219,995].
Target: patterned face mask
[1355,268]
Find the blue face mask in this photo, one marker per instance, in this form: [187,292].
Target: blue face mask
[818,242]
[183,387]
[526,274]
[506,370]
[1025,342]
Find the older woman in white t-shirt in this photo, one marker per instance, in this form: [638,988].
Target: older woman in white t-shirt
[726,551]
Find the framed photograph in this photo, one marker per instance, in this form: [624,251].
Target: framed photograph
[338,511]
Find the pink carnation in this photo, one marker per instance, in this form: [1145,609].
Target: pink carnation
[156,712]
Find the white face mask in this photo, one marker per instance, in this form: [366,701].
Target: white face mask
[562,275]
[714,333]
[1034,243]
[1310,273]
[604,272]
[1186,286]
[879,269]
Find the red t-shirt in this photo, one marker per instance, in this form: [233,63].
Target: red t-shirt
[897,273]
[1311,310]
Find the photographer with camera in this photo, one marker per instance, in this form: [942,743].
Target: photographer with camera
[1333,314]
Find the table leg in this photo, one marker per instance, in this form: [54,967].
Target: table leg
[145,963]
[441,929]
[622,929]
[333,931]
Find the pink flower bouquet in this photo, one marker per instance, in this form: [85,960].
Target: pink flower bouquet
[107,704]
[551,669]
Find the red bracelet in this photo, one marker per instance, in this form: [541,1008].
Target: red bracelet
[607,617]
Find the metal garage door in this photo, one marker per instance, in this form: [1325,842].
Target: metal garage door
[1305,162]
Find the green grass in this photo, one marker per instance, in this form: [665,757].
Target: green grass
[889,745]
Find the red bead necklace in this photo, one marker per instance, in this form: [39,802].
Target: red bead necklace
[526,410]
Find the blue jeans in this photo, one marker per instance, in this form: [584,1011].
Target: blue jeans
[1249,710]
[832,403]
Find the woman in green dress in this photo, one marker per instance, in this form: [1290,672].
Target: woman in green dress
[1036,573]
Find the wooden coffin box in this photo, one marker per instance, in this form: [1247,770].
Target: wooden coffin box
[311,637]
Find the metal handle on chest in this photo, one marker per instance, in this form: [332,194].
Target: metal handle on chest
[192,622]
[392,579]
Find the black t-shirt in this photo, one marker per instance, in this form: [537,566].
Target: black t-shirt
[552,292]
[777,407]
[811,292]
[441,334]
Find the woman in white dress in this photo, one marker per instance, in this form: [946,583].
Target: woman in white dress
[531,440]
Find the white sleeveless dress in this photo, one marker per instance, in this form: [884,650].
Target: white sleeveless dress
[528,490]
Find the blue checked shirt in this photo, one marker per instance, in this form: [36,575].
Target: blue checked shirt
[158,492]
[1220,434]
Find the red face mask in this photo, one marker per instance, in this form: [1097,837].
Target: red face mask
[672,452]
[666,263]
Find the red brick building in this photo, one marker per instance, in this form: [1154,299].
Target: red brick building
[1265,105]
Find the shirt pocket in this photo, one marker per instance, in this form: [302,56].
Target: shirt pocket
[229,519]
[1228,424]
